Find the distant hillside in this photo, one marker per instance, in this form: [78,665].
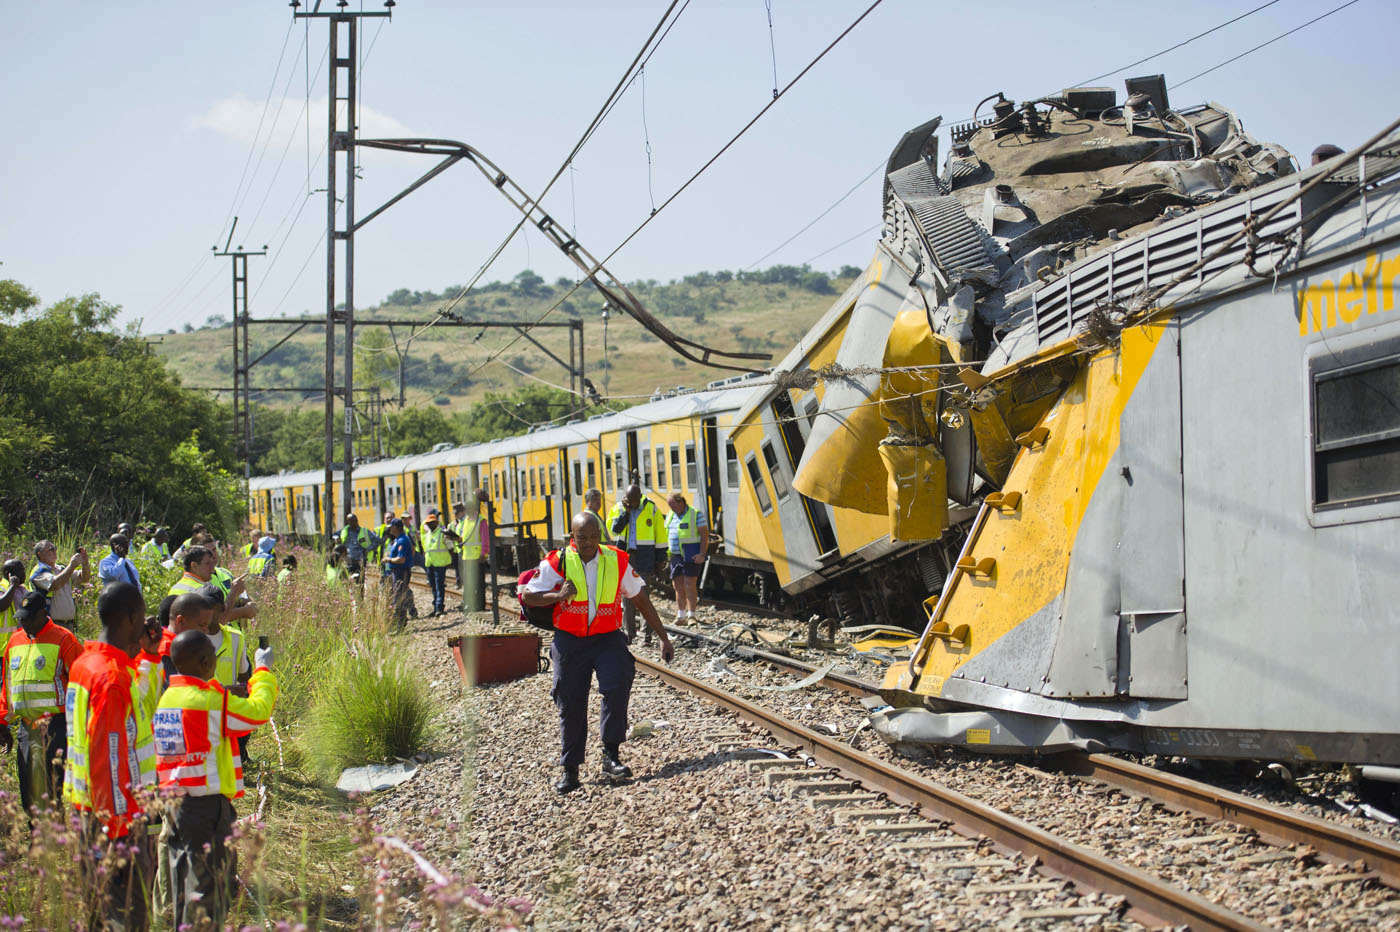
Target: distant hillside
[752,311]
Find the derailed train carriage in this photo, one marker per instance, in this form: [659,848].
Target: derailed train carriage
[1123,387]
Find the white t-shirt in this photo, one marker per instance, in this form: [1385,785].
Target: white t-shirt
[629,585]
[61,604]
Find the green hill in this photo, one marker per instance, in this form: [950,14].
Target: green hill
[760,311]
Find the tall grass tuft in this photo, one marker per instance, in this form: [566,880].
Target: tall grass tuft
[371,706]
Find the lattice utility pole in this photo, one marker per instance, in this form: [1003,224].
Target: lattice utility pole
[242,409]
[341,125]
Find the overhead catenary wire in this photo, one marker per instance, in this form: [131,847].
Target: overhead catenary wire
[1282,35]
[1173,48]
[837,203]
[688,182]
[253,146]
[602,113]
[866,231]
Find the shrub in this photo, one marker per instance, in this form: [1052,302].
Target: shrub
[371,707]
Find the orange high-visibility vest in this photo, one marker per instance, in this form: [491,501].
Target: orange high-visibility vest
[35,672]
[197,728]
[110,751]
[572,617]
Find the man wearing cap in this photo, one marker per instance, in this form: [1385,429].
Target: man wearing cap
[437,557]
[399,566]
[34,670]
[359,543]
[115,567]
[56,583]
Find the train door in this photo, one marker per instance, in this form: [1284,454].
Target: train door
[379,500]
[442,497]
[514,493]
[565,501]
[633,462]
[710,457]
[795,444]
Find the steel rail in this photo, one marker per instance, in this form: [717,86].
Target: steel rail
[835,680]
[1274,824]
[1149,899]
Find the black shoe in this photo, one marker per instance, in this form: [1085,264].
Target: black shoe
[615,769]
[568,781]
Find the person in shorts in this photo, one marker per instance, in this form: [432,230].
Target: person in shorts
[688,543]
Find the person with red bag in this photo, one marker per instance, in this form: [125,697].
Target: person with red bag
[585,584]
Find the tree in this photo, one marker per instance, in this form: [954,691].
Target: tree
[376,362]
[417,430]
[96,429]
[529,284]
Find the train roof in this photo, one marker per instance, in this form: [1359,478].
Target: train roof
[721,397]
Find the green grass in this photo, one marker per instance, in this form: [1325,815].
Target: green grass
[310,855]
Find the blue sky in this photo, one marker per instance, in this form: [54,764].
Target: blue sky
[129,127]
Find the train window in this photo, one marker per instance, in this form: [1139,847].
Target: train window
[621,474]
[692,481]
[731,466]
[607,471]
[532,483]
[661,469]
[543,487]
[1356,428]
[553,474]
[810,406]
[676,469]
[765,504]
[578,478]
[780,486]
[592,474]
[646,468]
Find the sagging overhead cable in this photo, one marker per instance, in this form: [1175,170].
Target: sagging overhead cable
[613,290]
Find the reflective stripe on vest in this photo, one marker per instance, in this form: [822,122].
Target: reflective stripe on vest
[228,658]
[260,564]
[686,524]
[187,583]
[141,749]
[378,552]
[471,537]
[35,680]
[572,617]
[436,550]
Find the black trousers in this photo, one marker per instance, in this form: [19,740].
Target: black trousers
[202,862]
[121,892]
[575,661]
[37,748]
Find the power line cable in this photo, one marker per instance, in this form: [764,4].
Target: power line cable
[879,165]
[1282,35]
[772,46]
[691,180]
[587,133]
[253,147]
[844,242]
[1108,74]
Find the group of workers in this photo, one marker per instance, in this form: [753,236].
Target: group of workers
[462,544]
[141,731]
[167,701]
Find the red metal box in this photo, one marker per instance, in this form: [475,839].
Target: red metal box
[500,658]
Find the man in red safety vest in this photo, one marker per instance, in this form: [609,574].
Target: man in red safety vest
[585,584]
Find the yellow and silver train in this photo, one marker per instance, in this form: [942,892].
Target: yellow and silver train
[1108,421]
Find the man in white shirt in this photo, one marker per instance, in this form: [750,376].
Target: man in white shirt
[57,583]
[585,584]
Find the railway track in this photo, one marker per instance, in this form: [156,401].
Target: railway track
[1274,824]
[879,785]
